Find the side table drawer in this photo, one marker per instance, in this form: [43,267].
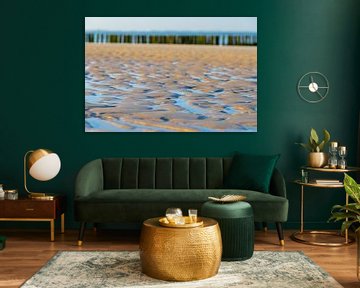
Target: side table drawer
[31,209]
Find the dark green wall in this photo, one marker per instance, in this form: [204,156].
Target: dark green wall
[42,88]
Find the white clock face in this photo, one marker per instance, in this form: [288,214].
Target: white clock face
[313,87]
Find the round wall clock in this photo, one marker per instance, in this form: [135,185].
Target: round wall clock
[313,87]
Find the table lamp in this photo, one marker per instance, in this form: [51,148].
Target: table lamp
[43,165]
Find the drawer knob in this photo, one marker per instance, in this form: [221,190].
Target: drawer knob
[29,209]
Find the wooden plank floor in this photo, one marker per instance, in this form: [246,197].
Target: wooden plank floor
[28,250]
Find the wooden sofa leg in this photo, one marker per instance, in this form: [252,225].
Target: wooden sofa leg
[81,233]
[280,233]
[265,227]
[95,228]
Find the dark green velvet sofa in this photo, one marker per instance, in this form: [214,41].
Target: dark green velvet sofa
[130,190]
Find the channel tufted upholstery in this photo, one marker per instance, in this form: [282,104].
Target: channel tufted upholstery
[164,173]
[131,190]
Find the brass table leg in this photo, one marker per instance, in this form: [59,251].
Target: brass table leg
[52,230]
[297,235]
[346,230]
[302,210]
[63,223]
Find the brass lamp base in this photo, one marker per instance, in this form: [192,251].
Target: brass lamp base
[41,196]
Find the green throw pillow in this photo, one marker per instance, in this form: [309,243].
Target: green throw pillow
[251,172]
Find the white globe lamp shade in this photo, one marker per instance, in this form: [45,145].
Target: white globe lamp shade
[44,164]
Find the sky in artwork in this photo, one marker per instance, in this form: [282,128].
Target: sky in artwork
[234,24]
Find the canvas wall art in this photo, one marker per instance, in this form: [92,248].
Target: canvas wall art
[170,74]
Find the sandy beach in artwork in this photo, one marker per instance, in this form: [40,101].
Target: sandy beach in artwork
[170,88]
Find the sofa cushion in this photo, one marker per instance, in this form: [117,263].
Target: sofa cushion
[251,172]
[266,206]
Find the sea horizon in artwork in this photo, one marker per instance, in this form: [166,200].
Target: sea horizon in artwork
[178,81]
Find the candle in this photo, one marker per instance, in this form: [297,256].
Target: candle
[333,151]
[342,154]
[342,149]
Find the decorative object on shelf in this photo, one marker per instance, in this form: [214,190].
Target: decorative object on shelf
[11,194]
[43,165]
[350,213]
[313,87]
[317,158]
[332,162]
[327,181]
[2,192]
[228,198]
[342,153]
[304,176]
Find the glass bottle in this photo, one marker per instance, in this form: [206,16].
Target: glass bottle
[11,194]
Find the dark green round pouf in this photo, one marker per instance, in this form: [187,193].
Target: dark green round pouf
[236,221]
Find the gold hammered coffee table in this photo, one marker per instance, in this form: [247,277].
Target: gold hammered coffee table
[180,254]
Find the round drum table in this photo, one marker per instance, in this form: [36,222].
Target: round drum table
[180,254]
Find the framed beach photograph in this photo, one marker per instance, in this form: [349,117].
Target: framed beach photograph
[170,74]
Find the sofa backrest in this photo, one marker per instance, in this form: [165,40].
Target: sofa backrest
[165,173]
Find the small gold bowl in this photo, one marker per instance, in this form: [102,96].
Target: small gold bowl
[188,223]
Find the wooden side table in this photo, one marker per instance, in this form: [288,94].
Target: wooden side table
[26,209]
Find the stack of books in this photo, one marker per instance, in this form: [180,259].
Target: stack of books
[327,181]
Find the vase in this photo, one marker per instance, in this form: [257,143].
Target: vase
[317,159]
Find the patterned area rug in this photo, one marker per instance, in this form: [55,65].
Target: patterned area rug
[122,269]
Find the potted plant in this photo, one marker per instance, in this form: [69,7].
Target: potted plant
[350,214]
[317,157]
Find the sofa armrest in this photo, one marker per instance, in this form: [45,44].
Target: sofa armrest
[277,184]
[89,179]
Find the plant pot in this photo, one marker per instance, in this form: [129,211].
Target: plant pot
[317,159]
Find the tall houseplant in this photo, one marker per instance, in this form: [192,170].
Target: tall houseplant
[317,157]
[350,214]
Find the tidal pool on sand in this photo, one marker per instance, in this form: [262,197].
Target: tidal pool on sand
[170,88]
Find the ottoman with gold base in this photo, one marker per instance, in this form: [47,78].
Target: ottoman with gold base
[180,254]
